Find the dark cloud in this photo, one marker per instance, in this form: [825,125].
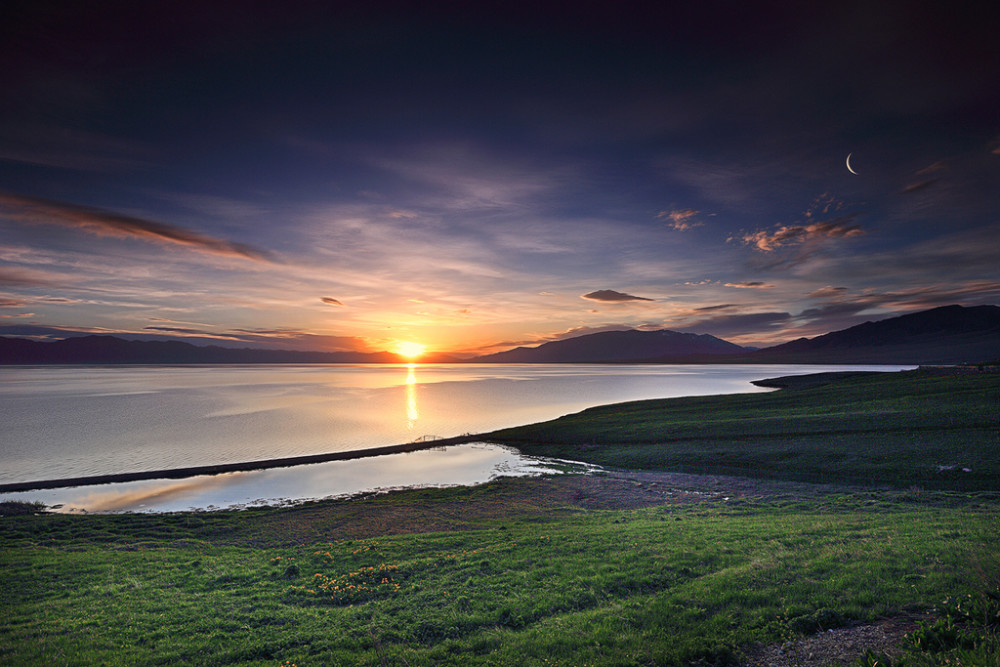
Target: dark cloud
[835,311]
[39,332]
[109,223]
[181,330]
[751,284]
[283,339]
[826,292]
[739,325]
[940,165]
[611,296]
[331,301]
[583,331]
[969,293]
[921,185]
[22,277]
[723,306]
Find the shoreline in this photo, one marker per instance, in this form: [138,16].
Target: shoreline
[243,466]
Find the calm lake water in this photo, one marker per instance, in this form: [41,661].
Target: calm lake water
[71,421]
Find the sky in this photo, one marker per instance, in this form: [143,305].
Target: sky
[476,176]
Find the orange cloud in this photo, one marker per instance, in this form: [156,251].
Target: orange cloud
[797,234]
[679,220]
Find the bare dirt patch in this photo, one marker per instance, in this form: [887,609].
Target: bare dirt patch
[550,497]
[840,647]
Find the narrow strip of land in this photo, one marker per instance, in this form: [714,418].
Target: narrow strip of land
[243,466]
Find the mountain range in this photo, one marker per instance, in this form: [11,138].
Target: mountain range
[945,335]
[617,346]
[112,350]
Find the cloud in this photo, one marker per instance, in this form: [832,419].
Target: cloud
[739,325]
[680,219]
[12,303]
[109,223]
[181,330]
[751,284]
[23,277]
[916,187]
[611,296]
[275,339]
[827,292]
[331,301]
[930,169]
[291,339]
[974,292]
[785,235]
[16,315]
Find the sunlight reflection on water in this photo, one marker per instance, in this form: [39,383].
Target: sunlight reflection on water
[62,422]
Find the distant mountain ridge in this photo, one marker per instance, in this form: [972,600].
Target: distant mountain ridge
[617,346]
[945,335]
[112,350]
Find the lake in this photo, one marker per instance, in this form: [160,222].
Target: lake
[73,421]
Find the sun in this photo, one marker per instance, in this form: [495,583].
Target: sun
[409,349]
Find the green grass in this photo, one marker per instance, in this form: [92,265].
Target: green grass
[664,585]
[519,572]
[910,428]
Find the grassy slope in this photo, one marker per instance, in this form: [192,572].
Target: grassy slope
[517,574]
[893,428]
[663,585]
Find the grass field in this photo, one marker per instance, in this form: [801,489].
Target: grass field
[901,429]
[601,570]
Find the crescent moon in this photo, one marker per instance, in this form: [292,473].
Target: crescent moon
[849,165]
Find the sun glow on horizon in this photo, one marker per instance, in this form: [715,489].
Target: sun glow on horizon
[410,349]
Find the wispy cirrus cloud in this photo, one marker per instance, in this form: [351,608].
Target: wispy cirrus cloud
[21,277]
[611,296]
[331,301]
[101,222]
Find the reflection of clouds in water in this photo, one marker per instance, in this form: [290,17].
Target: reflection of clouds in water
[150,495]
[474,463]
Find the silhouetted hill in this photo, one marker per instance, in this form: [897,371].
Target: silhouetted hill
[617,347]
[112,350]
[945,335]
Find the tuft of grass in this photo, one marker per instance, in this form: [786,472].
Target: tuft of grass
[21,508]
